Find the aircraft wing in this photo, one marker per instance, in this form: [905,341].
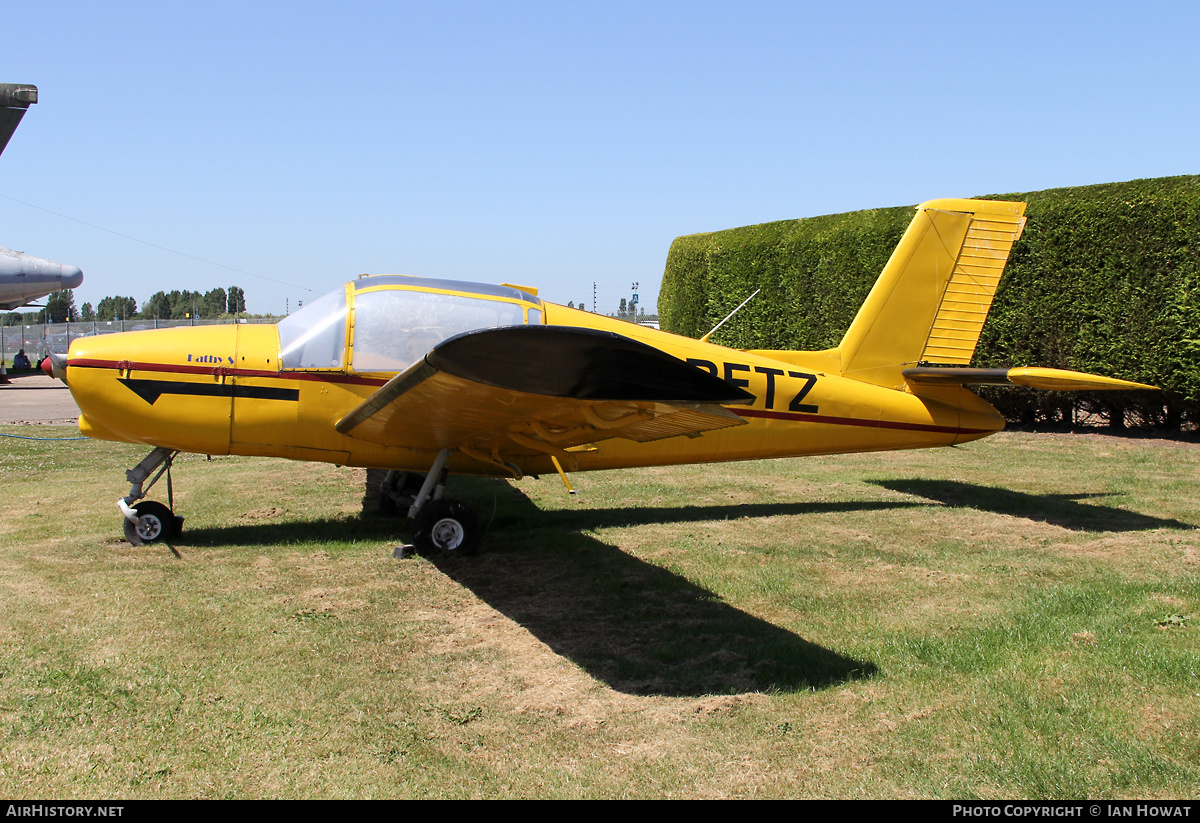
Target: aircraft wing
[526,390]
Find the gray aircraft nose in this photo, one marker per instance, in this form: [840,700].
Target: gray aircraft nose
[72,276]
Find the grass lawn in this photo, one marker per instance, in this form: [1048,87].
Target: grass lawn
[1017,617]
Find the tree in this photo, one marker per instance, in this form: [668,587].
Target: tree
[158,307]
[87,313]
[237,301]
[621,312]
[116,308]
[215,302]
[184,304]
[60,308]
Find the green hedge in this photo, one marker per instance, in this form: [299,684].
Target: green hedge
[1104,280]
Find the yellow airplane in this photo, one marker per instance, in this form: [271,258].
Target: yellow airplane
[424,377]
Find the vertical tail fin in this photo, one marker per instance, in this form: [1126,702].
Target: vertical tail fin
[932,297]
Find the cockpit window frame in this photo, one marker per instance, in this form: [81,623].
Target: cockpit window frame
[431,284]
[529,305]
[532,310]
[345,312]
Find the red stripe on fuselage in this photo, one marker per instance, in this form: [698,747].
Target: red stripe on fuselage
[325,377]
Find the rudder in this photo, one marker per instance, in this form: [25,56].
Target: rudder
[931,299]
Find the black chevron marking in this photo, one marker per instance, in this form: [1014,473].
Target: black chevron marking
[151,390]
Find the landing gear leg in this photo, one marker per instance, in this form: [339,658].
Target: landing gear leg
[398,492]
[441,524]
[150,522]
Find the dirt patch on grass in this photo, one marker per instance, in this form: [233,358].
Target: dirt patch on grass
[265,513]
[533,680]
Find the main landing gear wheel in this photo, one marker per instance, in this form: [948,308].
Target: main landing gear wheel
[446,525]
[155,524]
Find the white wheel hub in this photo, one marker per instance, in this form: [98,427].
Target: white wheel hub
[149,527]
[447,534]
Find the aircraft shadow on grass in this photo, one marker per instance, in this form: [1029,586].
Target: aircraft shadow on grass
[1063,510]
[638,627]
[641,628]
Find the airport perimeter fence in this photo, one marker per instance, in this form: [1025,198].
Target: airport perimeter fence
[40,340]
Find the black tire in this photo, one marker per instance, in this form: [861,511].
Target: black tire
[396,496]
[446,526]
[156,524]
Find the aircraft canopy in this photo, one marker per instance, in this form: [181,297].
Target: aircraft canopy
[386,323]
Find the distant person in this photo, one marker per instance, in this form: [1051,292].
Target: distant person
[21,361]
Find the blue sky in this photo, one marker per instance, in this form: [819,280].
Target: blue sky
[550,144]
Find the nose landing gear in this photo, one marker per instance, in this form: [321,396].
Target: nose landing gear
[149,522]
[154,523]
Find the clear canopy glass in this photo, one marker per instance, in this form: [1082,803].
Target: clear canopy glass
[315,336]
[396,321]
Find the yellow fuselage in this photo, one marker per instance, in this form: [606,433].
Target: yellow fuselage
[221,390]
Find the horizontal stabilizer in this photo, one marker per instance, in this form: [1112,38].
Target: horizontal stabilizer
[1035,378]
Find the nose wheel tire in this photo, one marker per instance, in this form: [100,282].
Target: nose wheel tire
[446,525]
[155,524]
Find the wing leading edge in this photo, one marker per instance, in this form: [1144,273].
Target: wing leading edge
[500,394]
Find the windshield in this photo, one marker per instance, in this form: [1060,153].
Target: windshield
[315,336]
